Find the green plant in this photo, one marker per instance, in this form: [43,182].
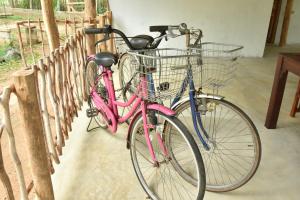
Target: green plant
[102,6]
[36,4]
[56,4]
[5,46]
[2,50]
[14,17]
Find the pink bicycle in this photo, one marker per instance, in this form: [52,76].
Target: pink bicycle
[164,155]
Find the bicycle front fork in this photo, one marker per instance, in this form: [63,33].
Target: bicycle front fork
[196,115]
[152,125]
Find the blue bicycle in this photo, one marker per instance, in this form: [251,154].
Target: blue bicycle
[227,138]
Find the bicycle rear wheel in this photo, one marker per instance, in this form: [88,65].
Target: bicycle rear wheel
[91,73]
[235,144]
[166,179]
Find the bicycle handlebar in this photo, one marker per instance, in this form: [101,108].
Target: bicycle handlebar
[163,28]
[107,29]
[96,30]
[182,28]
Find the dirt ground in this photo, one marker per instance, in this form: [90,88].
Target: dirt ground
[20,144]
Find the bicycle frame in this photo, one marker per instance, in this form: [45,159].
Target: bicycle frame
[111,108]
[195,115]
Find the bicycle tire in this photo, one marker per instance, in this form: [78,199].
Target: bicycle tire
[122,65]
[90,74]
[135,132]
[211,161]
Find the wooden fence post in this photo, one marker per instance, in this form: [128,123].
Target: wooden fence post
[21,45]
[3,175]
[4,103]
[110,46]
[101,25]
[90,13]
[26,91]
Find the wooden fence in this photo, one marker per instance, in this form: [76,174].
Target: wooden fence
[30,29]
[50,94]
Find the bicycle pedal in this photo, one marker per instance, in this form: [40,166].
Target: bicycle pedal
[164,86]
[92,112]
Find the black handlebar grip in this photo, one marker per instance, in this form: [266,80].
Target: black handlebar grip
[158,28]
[93,31]
[105,29]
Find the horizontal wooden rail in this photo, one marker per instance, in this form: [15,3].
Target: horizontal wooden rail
[75,3]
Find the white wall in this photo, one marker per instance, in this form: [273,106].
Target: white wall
[294,27]
[242,22]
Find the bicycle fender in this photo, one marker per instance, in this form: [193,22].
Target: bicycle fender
[158,107]
[91,57]
[122,55]
[162,109]
[208,96]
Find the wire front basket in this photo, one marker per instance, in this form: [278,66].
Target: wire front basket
[218,64]
[162,71]
[165,72]
[121,46]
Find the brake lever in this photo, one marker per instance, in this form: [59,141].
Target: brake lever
[170,31]
[199,36]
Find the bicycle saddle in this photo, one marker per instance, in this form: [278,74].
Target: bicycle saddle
[141,41]
[106,59]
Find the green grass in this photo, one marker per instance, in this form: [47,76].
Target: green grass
[8,67]
[11,66]
[2,51]
[14,17]
[5,46]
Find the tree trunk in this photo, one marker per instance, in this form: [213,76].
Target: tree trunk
[50,24]
[90,13]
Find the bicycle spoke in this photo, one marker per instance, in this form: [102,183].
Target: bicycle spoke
[233,155]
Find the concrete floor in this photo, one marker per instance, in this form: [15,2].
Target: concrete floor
[96,165]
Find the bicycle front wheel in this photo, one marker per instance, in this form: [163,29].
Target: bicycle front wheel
[235,147]
[166,178]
